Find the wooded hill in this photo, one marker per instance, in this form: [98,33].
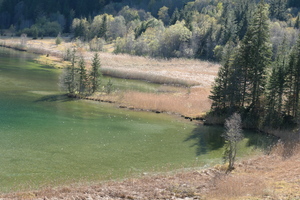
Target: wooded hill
[159,28]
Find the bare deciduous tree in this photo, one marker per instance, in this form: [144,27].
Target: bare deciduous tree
[233,135]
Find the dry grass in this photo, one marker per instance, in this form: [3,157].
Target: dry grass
[180,71]
[190,103]
[242,186]
[183,72]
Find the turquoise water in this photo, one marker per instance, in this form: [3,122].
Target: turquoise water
[48,139]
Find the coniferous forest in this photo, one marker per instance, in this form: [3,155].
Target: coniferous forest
[257,43]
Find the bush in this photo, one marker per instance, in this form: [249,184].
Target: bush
[97,44]
[58,40]
[109,87]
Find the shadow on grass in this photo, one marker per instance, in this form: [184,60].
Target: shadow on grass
[55,98]
[209,138]
[261,141]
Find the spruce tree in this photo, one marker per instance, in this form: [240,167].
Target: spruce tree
[297,23]
[293,77]
[254,57]
[290,81]
[222,89]
[73,72]
[243,14]
[175,17]
[278,9]
[68,76]
[95,73]
[83,80]
[103,28]
[229,26]
[275,87]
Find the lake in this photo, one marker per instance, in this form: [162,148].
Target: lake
[48,139]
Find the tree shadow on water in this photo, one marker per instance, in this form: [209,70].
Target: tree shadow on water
[262,141]
[55,98]
[209,138]
[206,138]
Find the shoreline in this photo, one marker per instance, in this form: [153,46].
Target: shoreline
[191,106]
[195,118]
[255,177]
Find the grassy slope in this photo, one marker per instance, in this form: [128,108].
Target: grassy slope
[274,176]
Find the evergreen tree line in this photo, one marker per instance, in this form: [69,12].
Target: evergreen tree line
[264,91]
[76,79]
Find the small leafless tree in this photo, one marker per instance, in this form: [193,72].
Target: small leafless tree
[233,135]
[23,39]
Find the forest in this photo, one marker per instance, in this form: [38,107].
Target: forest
[257,43]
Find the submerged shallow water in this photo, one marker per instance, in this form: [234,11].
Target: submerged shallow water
[49,139]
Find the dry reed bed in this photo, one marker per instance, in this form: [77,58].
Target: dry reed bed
[182,72]
[191,104]
[188,102]
[193,72]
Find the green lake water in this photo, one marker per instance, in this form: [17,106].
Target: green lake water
[47,139]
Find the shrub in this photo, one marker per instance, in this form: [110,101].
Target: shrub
[109,87]
[97,44]
[58,40]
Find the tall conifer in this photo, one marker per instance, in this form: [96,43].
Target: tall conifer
[83,80]
[255,56]
[95,73]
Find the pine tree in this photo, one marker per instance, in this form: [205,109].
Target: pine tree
[83,80]
[276,86]
[206,44]
[293,81]
[222,87]
[68,76]
[281,64]
[175,17]
[229,26]
[243,14]
[103,28]
[278,9]
[95,73]
[254,57]
[290,81]
[297,23]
